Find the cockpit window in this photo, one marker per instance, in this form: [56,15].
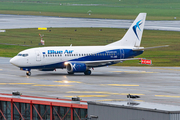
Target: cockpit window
[24,55]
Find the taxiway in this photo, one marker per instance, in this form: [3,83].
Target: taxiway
[112,83]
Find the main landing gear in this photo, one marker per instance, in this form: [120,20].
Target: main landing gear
[28,73]
[71,73]
[87,72]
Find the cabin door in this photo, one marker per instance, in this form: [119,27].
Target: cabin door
[38,55]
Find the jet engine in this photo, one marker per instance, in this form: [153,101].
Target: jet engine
[76,67]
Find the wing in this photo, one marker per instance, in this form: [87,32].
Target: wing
[104,62]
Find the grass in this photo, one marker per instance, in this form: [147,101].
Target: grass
[168,56]
[114,9]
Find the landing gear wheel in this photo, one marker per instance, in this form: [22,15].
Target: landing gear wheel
[71,73]
[28,73]
[87,72]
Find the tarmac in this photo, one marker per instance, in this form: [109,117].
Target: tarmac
[111,83]
[28,21]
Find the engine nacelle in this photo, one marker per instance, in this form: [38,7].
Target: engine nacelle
[76,67]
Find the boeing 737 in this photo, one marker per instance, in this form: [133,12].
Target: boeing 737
[83,58]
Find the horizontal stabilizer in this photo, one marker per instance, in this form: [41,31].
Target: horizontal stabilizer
[142,48]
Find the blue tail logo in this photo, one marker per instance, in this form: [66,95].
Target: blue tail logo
[137,26]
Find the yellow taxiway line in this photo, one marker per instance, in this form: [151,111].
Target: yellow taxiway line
[134,72]
[126,85]
[53,85]
[100,92]
[88,96]
[96,92]
[166,69]
[17,83]
[20,83]
[118,100]
[66,81]
[3,83]
[167,96]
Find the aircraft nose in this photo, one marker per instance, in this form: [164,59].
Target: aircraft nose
[13,61]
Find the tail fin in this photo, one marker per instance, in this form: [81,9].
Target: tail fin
[133,36]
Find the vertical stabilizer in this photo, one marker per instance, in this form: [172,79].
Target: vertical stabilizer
[133,36]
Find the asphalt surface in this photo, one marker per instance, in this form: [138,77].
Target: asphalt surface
[27,21]
[112,83]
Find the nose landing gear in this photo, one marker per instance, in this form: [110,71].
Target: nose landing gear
[28,73]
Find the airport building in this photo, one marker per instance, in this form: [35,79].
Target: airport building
[130,110]
[21,107]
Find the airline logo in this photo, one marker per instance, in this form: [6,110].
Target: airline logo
[74,66]
[58,52]
[137,26]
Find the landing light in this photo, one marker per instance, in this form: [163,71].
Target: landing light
[65,63]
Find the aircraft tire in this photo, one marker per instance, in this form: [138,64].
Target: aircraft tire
[71,73]
[87,72]
[28,73]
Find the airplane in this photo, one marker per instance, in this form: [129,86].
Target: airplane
[83,58]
